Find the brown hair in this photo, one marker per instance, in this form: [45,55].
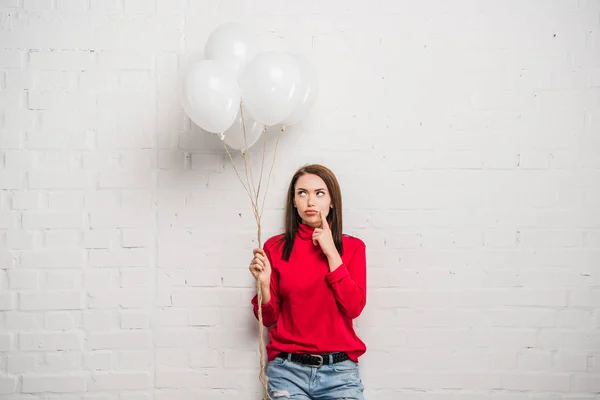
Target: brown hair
[292,219]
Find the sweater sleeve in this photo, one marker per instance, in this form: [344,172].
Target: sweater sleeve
[270,311]
[349,283]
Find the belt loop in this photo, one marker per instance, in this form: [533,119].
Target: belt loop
[289,356]
[330,358]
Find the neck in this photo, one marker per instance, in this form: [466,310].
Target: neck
[305,231]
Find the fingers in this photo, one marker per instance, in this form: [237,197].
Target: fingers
[256,269]
[262,259]
[316,234]
[324,224]
[261,255]
[259,261]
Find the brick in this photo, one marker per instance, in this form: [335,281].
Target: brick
[62,321]
[9,220]
[27,200]
[17,239]
[6,342]
[137,199]
[139,33]
[61,238]
[97,361]
[136,359]
[37,4]
[21,363]
[59,180]
[58,100]
[124,298]
[8,385]
[120,258]
[100,279]
[52,220]
[60,259]
[570,362]
[34,383]
[12,99]
[65,201]
[11,59]
[120,381]
[63,280]
[100,320]
[100,238]
[12,180]
[122,340]
[172,358]
[61,60]
[120,179]
[135,321]
[139,7]
[126,60]
[135,277]
[25,321]
[131,218]
[180,338]
[71,5]
[7,301]
[51,301]
[101,200]
[106,6]
[586,383]
[206,359]
[538,382]
[131,238]
[60,362]
[589,297]
[50,341]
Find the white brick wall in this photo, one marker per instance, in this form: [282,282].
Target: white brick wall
[465,136]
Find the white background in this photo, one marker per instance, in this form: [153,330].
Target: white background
[465,135]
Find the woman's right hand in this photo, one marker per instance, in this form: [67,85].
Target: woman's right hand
[260,267]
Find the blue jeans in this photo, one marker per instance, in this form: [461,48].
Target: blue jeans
[291,380]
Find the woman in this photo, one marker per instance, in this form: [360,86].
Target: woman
[313,280]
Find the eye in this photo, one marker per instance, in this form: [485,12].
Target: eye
[320,192]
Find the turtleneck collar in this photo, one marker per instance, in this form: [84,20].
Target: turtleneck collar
[305,232]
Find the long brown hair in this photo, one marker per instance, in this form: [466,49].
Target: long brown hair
[292,219]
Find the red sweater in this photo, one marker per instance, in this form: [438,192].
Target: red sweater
[311,309]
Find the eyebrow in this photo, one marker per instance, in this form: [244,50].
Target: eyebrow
[315,189]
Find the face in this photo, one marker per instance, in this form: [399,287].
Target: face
[311,194]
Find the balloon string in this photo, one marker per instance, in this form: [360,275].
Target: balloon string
[253,194]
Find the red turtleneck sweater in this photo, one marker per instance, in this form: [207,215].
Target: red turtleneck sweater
[311,309]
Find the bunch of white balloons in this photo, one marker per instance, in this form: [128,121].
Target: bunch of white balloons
[238,87]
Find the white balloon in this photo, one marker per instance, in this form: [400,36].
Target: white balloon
[306,94]
[234,136]
[233,44]
[210,96]
[268,85]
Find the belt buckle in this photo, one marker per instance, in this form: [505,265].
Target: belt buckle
[320,357]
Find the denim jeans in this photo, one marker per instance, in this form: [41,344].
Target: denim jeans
[291,380]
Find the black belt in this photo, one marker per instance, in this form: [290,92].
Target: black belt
[315,360]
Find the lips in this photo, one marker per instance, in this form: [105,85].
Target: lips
[311,212]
